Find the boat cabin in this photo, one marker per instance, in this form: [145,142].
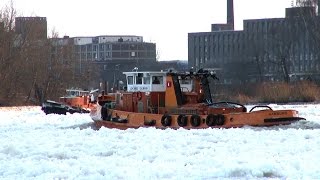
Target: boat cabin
[76,92]
[153,81]
[151,91]
[76,98]
[146,81]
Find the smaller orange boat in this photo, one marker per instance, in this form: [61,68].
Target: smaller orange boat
[79,98]
[178,100]
[75,101]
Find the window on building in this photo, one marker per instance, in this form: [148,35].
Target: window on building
[89,47]
[83,56]
[101,56]
[83,48]
[101,47]
[95,48]
[89,56]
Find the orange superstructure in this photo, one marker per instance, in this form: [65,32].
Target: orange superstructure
[179,100]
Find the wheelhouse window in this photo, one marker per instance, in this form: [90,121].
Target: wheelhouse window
[139,78]
[157,80]
[130,79]
[185,81]
[146,80]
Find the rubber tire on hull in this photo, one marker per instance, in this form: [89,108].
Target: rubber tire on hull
[166,120]
[220,120]
[195,120]
[211,120]
[182,120]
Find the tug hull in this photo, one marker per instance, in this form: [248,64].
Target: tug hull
[124,120]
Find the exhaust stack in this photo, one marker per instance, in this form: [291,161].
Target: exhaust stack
[230,14]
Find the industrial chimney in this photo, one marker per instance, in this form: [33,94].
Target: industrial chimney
[318,4]
[230,16]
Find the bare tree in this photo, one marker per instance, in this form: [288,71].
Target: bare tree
[33,69]
[255,53]
[8,53]
[307,22]
[306,3]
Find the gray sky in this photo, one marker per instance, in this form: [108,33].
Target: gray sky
[164,22]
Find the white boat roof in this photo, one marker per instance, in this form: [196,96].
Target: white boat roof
[145,72]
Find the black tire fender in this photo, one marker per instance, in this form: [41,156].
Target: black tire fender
[166,120]
[211,120]
[220,120]
[195,120]
[182,120]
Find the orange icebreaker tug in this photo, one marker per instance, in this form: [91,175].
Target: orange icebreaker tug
[178,100]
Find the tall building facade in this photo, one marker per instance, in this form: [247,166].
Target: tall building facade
[117,49]
[274,49]
[31,27]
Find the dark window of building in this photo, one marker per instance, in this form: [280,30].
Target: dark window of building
[101,48]
[116,54]
[83,48]
[89,47]
[116,47]
[83,56]
[89,56]
[95,47]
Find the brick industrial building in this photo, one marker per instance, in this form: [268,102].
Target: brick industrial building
[275,49]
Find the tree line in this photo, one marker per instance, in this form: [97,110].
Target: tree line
[32,69]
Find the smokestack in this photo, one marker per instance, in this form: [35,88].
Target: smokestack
[230,16]
[318,4]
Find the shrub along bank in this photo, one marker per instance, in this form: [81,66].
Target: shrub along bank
[276,92]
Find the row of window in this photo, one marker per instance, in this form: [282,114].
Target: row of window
[120,47]
[107,55]
[144,80]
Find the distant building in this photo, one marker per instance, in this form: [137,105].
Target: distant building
[266,50]
[107,55]
[110,55]
[114,48]
[31,27]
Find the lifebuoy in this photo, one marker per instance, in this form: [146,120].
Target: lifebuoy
[220,119]
[166,120]
[211,120]
[182,120]
[195,120]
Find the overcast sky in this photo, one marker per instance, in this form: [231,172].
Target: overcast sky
[164,22]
